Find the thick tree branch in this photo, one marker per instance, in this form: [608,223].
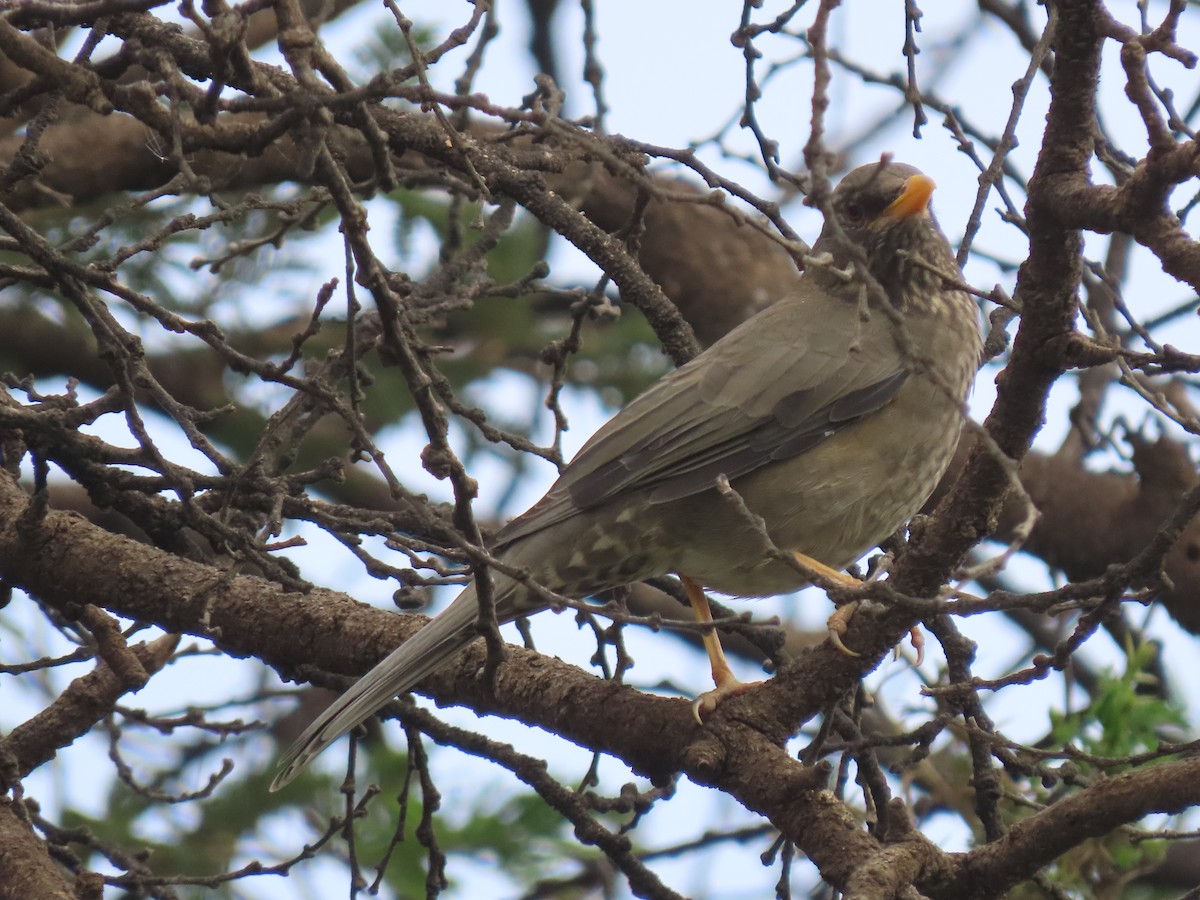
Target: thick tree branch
[26,869]
[66,561]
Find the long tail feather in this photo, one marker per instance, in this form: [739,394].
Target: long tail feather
[417,657]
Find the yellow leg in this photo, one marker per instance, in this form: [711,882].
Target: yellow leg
[839,578]
[726,684]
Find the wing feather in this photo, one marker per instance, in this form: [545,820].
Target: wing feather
[748,401]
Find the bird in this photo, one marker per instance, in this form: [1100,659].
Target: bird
[832,414]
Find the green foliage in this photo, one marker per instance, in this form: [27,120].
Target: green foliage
[1124,717]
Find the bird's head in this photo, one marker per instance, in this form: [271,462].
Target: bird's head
[881,216]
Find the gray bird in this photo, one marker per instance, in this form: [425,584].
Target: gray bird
[832,413]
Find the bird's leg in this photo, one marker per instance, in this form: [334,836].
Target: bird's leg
[840,620]
[726,684]
[841,579]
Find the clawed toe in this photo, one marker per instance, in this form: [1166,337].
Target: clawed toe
[838,623]
[917,638]
[710,700]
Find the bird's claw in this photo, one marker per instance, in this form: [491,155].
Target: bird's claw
[710,700]
[838,623]
[917,638]
[701,706]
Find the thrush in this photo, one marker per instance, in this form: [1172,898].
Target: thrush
[832,414]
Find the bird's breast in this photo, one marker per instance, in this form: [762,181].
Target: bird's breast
[832,503]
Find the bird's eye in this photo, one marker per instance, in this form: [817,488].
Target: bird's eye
[854,212]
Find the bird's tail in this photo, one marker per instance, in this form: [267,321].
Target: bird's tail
[417,657]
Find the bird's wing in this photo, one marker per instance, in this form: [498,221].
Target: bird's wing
[762,394]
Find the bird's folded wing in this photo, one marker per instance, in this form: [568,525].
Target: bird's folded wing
[761,395]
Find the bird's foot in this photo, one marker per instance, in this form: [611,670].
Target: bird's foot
[839,622]
[837,625]
[710,700]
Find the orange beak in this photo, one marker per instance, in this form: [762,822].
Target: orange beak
[913,200]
